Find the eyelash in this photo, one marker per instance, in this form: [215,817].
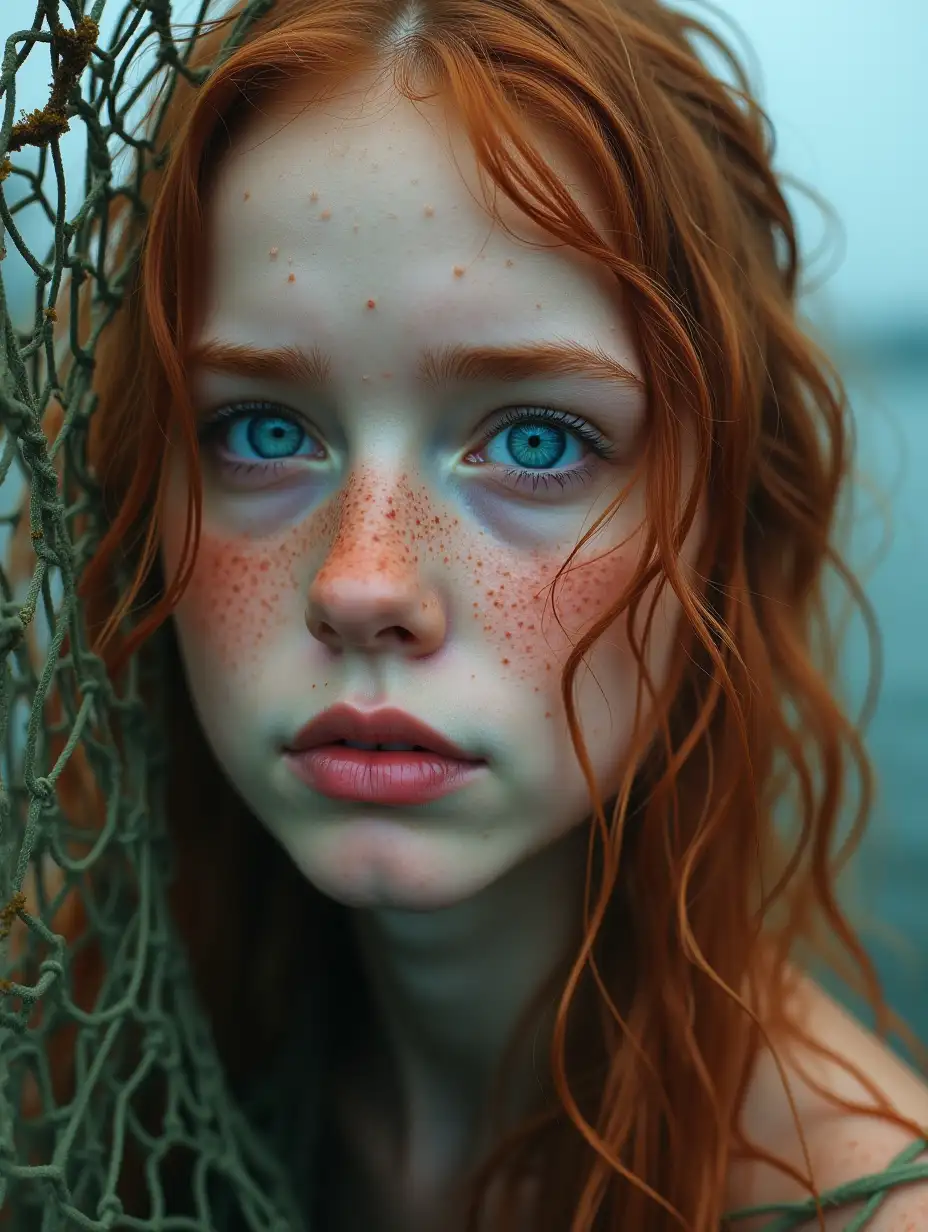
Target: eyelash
[579,428]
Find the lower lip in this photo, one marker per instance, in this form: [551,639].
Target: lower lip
[370,777]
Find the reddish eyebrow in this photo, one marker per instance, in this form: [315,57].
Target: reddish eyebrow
[441,366]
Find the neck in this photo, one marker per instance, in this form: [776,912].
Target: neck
[449,989]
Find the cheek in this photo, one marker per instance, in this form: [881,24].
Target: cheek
[531,622]
[240,596]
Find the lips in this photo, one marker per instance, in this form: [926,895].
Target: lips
[387,726]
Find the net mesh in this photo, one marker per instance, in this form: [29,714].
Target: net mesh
[62,1152]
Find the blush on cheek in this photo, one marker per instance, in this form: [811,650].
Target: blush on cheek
[240,593]
[521,612]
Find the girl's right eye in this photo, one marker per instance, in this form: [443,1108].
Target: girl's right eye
[257,436]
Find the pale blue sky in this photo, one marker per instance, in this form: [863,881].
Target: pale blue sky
[842,80]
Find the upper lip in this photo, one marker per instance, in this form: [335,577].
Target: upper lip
[387,726]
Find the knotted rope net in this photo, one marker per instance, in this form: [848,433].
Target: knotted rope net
[67,1146]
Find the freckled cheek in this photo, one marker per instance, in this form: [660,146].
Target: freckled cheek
[517,615]
[239,596]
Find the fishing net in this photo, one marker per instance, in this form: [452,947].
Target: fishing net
[66,1147]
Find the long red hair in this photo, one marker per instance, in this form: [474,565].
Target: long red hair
[714,871]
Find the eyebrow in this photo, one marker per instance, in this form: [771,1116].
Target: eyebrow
[437,366]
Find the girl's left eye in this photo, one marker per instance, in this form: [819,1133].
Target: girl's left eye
[525,441]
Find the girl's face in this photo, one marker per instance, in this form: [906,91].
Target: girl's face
[383,530]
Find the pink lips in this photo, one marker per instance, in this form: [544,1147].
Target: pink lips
[433,767]
[387,726]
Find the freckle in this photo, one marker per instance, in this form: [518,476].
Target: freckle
[291,278]
[245,196]
[459,271]
[510,263]
[547,714]
[429,211]
[372,303]
[314,196]
[505,662]
[538,305]
[326,215]
[273,252]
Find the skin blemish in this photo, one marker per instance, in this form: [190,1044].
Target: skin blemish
[326,215]
[245,195]
[314,196]
[415,181]
[356,228]
[458,271]
[273,252]
[372,303]
[509,263]
[291,278]
[429,211]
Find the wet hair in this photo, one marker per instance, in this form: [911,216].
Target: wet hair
[713,871]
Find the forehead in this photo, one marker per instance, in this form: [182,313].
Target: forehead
[321,205]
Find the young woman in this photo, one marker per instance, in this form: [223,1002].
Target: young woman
[459,403]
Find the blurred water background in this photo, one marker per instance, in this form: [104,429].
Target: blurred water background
[842,82]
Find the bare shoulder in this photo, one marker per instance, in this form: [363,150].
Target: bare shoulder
[843,1146]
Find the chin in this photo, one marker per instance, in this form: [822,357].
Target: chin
[398,872]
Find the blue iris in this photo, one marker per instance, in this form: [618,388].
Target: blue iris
[273,438]
[536,444]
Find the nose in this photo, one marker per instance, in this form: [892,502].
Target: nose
[375,614]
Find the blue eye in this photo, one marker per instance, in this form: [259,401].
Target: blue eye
[268,437]
[257,433]
[531,444]
[537,439]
